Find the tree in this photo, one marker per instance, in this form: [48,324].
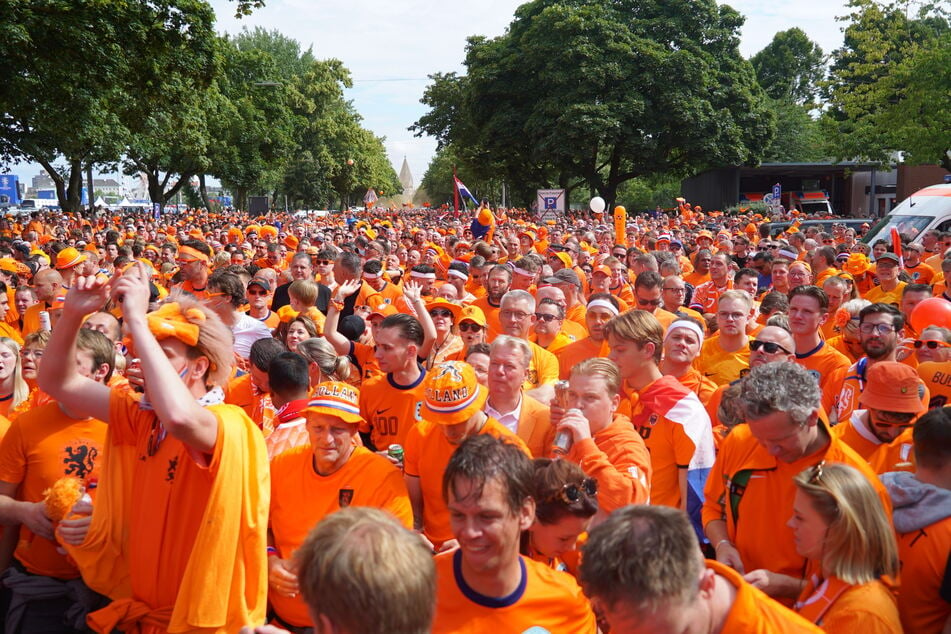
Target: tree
[790,67]
[884,72]
[798,136]
[600,92]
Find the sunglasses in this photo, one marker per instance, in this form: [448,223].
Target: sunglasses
[440,312]
[466,326]
[571,493]
[256,293]
[545,317]
[325,262]
[768,347]
[648,302]
[931,344]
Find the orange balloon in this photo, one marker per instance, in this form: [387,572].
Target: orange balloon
[934,311]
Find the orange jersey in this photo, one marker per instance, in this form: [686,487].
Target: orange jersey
[545,601]
[923,602]
[361,355]
[573,354]
[898,455]
[877,294]
[706,295]
[426,454]
[720,366]
[696,278]
[841,608]
[753,492]
[937,378]
[822,362]
[857,435]
[700,385]
[241,391]
[619,460]
[844,391]
[300,498]
[390,410]
[753,612]
[42,446]
[544,368]
[491,313]
[162,533]
[921,273]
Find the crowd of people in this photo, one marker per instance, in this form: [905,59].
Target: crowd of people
[427,421]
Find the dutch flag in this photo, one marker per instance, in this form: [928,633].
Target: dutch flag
[464,192]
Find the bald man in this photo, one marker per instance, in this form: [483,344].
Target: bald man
[48,283]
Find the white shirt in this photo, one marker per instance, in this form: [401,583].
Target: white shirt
[509,419]
[246,331]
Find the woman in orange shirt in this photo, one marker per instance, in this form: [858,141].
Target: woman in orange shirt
[842,527]
[565,502]
[13,389]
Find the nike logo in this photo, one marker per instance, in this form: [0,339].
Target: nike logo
[708,374]
[381,411]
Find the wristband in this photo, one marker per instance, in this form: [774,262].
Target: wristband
[337,304]
[271,550]
[720,543]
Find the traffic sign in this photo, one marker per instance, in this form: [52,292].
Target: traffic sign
[777,192]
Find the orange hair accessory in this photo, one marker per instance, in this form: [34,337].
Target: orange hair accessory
[62,496]
[842,317]
[170,321]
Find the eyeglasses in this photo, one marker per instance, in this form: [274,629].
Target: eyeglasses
[572,492]
[545,317]
[769,347]
[674,290]
[647,302]
[879,329]
[733,316]
[440,312]
[931,344]
[514,314]
[466,326]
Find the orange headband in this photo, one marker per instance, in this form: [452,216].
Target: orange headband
[192,254]
[170,321]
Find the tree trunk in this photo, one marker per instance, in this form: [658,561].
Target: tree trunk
[74,191]
[203,191]
[90,190]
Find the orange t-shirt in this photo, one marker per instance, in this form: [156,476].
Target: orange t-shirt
[492,320]
[619,460]
[41,447]
[256,404]
[841,608]
[545,601]
[937,378]
[300,498]
[163,531]
[362,356]
[925,570]
[856,434]
[720,366]
[700,385]
[426,454]
[822,362]
[390,410]
[574,353]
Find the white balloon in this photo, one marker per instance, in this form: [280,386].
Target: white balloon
[597,204]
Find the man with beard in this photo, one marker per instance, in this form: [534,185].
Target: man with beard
[497,283]
[879,328]
[453,410]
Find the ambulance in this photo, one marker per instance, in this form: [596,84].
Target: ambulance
[928,209]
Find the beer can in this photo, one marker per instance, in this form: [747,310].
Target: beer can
[561,394]
[395,452]
[562,442]
[45,320]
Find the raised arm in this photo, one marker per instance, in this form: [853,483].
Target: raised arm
[80,395]
[413,293]
[340,343]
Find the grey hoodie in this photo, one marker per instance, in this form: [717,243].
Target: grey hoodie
[916,504]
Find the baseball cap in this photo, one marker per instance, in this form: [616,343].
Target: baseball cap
[69,257]
[602,269]
[888,255]
[891,386]
[452,393]
[474,314]
[383,310]
[259,282]
[564,257]
[335,398]
[567,275]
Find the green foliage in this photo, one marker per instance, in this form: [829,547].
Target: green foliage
[798,136]
[645,194]
[600,92]
[888,86]
[790,67]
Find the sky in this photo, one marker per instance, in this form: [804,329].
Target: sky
[392,46]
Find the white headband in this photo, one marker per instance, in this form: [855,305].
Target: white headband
[515,269]
[689,325]
[457,273]
[370,276]
[603,303]
[423,276]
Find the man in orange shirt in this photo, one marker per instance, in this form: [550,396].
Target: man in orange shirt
[604,444]
[181,449]
[701,272]
[643,571]
[42,446]
[922,518]
[497,283]
[750,490]
[705,296]
[453,410]
[725,356]
[313,481]
[808,310]
[485,585]
[670,418]
[919,272]
[681,348]
[601,308]
[647,296]
[194,264]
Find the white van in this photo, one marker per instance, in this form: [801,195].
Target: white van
[926,210]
